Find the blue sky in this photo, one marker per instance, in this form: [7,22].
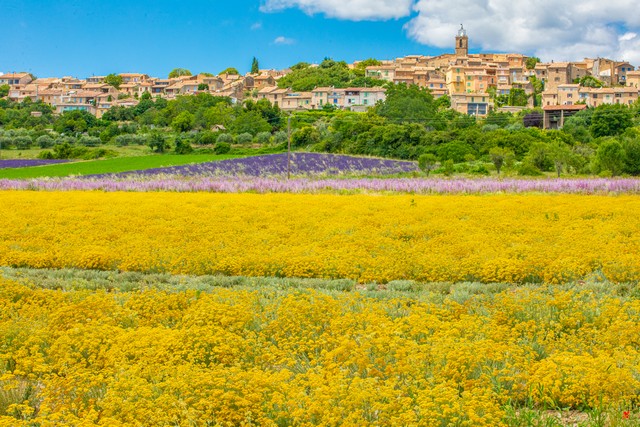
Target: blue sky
[89,37]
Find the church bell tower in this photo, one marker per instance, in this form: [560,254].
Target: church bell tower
[462,42]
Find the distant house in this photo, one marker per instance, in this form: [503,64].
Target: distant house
[15,79]
[593,97]
[96,79]
[296,101]
[556,115]
[134,77]
[633,79]
[473,104]
[78,101]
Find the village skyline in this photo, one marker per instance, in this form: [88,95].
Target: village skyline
[89,38]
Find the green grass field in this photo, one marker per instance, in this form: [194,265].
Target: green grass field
[120,164]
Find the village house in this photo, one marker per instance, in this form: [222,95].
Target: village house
[77,101]
[96,79]
[593,97]
[134,77]
[296,101]
[15,79]
[473,104]
[185,87]
[320,97]
[633,79]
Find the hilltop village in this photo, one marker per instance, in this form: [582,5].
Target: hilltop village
[475,83]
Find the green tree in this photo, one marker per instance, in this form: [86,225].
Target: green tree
[158,142]
[250,122]
[499,156]
[305,136]
[179,72]
[518,98]
[114,80]
[609,120]
[590,81]
[610,157]
[531,62]
[183,122]
[4,90]
[561,156]
[203,87]
[427,162]
[632,151]
[408,104]
[183,145]
[255,66]
[229,70]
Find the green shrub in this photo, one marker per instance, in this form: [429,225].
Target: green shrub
[47,155]
[45,141]
[480,170]
[22,142]
[528,169]
[244,138]
[206,138]
[89,141]
[280,137]
[447,167]
[222,148]
[263,138]
[183,146]
[225,137]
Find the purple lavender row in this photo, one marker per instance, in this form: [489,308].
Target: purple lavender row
[306,185]
[276,164]
[25,163]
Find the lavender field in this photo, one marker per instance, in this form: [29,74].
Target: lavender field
[302,164]
[25,163]
[328,185]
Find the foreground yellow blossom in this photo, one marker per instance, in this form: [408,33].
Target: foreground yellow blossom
[302,357]
[495,238]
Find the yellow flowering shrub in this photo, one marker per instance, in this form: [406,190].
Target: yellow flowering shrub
[492,238]
[233,357]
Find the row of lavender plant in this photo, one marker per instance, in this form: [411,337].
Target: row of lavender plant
[25,163]
[307,185]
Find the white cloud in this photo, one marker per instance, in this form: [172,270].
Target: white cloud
[355,10]
[283,40]
[552,29]
[256,26]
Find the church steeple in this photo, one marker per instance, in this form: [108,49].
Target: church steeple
[462,42]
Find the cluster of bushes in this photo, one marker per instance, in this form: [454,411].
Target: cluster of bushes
[409,124]
[25,140]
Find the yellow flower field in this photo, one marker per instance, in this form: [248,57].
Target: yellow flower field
[303,358]
[492,238]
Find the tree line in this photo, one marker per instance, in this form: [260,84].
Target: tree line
[410,124]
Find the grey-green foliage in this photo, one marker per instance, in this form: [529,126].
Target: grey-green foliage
[263,138]
[90,141]
[280,137]
[22,142]
[130,139]
[225,137]
[45,141]
[244,138]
